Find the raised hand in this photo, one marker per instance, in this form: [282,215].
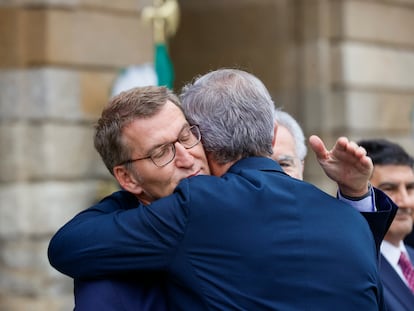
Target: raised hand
[346,163]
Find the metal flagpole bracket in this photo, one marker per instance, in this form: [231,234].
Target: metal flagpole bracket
[165,16]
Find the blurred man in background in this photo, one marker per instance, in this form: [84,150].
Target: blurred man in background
[393,173]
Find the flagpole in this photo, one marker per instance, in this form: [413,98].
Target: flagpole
[164,16]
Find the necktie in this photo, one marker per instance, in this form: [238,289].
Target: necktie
[407,269]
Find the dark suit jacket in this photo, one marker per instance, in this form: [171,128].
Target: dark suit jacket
[120,294]
[124,292]
[147,293]
[398,297]
[255,239]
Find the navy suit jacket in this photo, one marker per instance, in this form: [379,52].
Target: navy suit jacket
[120,294]
[397,296]
[255,239]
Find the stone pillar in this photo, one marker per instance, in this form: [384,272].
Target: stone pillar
[356,72]
[58,60]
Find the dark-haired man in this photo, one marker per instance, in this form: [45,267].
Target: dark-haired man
[394,174]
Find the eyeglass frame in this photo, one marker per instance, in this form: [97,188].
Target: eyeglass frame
[172,144]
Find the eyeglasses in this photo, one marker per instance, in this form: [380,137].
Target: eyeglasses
[189,137]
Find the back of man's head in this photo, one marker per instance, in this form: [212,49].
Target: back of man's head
[235,114]
[384,152]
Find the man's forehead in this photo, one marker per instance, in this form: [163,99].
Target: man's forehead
[162,127]
[393,168]
[284,137]
[393,173]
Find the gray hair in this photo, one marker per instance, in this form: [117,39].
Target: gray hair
[286,120]
[235,114]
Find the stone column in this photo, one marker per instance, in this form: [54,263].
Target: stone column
[58,60]
[356,70]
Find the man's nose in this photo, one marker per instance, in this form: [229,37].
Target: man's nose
[403,198]
[183,156]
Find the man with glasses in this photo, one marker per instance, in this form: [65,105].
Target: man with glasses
[148,145]
[220,240]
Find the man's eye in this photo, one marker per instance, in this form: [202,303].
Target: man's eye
[160,152]
[186,136]
[388,190]
[285,164]
[410,188]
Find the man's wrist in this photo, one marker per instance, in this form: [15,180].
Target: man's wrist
[357,198]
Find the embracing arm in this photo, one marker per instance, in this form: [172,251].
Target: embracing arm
[108,239]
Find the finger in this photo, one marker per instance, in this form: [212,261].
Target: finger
[342,149]
[352,145]
[360,155]
[342,144]
[357,151]
[318,146]
[362,151]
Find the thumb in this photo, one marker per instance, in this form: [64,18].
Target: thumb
[318,147]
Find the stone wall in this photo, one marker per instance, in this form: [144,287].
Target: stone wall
[58,60]
[341,67]
[363,53]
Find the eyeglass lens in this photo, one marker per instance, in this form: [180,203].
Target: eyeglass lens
[189,137]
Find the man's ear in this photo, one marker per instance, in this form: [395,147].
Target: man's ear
[274,135]
[127,180]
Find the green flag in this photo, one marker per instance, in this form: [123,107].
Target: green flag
[163,66]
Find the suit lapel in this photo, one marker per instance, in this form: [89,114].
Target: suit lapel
[393,283]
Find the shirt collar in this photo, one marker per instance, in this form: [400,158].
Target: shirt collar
[391,252]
